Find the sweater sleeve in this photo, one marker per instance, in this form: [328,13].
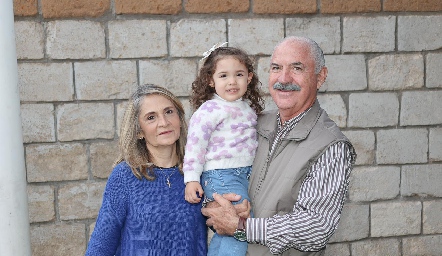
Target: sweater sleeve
[105,239]
[201,126]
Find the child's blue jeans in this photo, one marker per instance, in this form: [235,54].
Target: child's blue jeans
[222,181]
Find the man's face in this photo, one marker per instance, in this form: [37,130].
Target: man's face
[293,67]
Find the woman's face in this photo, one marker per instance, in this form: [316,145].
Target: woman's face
[159,121]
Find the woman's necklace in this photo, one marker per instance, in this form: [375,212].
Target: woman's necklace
[167,177]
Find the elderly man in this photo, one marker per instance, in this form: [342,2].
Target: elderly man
[302,166]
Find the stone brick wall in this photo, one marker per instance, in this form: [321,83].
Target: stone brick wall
[79,60]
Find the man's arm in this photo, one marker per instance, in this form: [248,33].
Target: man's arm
[317,210]
[315,214]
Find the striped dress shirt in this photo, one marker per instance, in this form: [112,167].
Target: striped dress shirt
[317,210]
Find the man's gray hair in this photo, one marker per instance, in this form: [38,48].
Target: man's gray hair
[315,50]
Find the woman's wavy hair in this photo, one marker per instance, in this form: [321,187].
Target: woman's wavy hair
[132,149]
[201,91]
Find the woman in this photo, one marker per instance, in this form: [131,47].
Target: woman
[143,210]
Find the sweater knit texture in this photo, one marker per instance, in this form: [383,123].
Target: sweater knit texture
[221,135]
[141,217]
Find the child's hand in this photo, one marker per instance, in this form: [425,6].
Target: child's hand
[191,195]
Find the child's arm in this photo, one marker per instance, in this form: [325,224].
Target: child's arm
[191,195]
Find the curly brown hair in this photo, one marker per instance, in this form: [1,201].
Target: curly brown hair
[201,91]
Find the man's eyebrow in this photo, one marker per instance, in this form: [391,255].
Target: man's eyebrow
[296,64]
[291,64]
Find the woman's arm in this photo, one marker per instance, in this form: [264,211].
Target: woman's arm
[105,238]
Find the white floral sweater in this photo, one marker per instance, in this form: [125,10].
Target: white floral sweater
[221,135]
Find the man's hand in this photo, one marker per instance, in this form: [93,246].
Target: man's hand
[224,218]
[242,209]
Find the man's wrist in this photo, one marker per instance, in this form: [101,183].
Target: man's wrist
[240,232]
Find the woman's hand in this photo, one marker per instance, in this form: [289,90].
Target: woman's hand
[193,189]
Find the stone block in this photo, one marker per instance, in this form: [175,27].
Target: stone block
[369,34]
[263,72]
[344,6]
[243,33]
[435,147]
[406,69]
[386,178]
[38,122]
[373,110]
[85,121]
[432,219]
[326,31]
[148,7]
[337,249]
[45,81]
[58,239]
[402,146]
[345,73]
[412,6]
[424,245]
[137,38]
[421,180]
[71,39]
[184,32]
[91,229]
[188,111]
[335,107]
[269,104]
[41,203]
[105,80]
[120,109]
[395,218]
[419,33]
[364,144]
[78,8]
[284,6]
[176,75]
[418,108]
[216,6]
[103,156]
[80,201]
[354,223]
[433,76]
[25,7]
[29,39]
[56,162]
[390,247]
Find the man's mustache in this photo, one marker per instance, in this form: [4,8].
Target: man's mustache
[286,87]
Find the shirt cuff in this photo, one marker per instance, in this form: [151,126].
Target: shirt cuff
[256,230]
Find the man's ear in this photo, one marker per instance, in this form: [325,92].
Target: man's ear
[322,75]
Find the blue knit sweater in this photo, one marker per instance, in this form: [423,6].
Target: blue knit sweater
[141,217]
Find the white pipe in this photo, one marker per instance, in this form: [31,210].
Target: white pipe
[14,220]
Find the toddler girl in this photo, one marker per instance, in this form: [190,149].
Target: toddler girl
[221,140]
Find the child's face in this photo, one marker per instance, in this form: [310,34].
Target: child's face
[230,79]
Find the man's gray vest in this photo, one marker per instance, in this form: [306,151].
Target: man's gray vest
[275,183]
